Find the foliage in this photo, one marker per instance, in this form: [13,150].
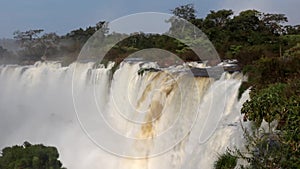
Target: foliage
[267,49]
[273,22]
[265,150]
[248,36]
[274,97]
[29,156]
[292,30]
[226,161]
[267,104]
[265,71]
[27,35]
[36,47]
[186,12]
[142,41]
[293,52]
[49,42]
[279,147]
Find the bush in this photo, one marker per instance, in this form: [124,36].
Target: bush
[268,150]
[226,161]
[29,156]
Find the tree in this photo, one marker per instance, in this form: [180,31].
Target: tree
[49,42]
[218,19]
[28,156]
[30,42]
[27,35]
[215,27]
[273,22]
[82,35]
[27,38]
[245,27]
[36,46]
[186,12]
[292,30]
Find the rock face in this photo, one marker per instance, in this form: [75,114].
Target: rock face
[232,68]
[200,72]
[214,72]
[203,71]
[143,70]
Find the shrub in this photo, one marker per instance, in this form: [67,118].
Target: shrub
[226,161]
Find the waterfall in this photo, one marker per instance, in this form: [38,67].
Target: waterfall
[121,120]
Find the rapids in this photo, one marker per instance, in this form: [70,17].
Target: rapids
[100,119]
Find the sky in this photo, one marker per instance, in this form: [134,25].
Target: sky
[62,16]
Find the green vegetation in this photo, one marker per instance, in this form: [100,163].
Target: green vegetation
[226,161]
[274,97]
[267,49]
[249,36]
[277,147]
[29,156]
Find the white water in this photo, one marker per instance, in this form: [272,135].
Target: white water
[180,121]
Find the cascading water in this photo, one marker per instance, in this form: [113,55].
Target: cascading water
[168,119]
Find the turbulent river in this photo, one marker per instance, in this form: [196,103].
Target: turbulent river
[165,119]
